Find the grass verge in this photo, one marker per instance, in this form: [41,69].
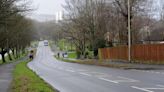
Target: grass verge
[13,59]
[26,80]
[72,55]
[89,62]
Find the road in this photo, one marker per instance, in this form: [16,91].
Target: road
[70,77]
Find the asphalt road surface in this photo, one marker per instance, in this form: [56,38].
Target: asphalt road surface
[70,77]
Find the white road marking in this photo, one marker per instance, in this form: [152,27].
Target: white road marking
[155,88]
[142,89]
[149,71]
[70,70]
[160,85]
[85,74]
[149,89]
[152,71]
[97,73]
[126,79]
[109,80]
[70,67]
[102,75]
[81,70]
[61,68]
[158,72]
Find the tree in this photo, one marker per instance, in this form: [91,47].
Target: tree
[11,14]
[88,22]
[138,8]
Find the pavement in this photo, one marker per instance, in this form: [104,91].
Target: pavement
[137,65]
[6,72]
[72,77]
[121,64]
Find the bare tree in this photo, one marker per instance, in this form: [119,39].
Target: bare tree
[11,13]
[137,8]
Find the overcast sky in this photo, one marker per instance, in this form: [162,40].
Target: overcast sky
[46,9]
[48,6]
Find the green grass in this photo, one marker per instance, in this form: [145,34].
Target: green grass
[7,61]
[34,44]
[65,45]
[90,54]
[72,55]
[26,80]
[10,61]
[67,60]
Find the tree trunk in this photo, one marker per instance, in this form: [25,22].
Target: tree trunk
[16,53]
[23,51]
[3,57]
[9,55]
[3,52]
[13,51]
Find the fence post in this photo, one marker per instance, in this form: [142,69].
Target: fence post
[100,54]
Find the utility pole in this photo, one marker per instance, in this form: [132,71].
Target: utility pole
[129,32]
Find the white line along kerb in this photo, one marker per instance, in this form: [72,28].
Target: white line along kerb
[160,86]
[142,89]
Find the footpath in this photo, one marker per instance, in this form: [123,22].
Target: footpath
[137,66]
[6,71]
[118,64]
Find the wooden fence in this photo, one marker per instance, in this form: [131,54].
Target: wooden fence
[151,53]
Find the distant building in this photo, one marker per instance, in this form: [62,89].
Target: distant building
[59,16]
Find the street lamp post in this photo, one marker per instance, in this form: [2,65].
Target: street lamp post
[129,33]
